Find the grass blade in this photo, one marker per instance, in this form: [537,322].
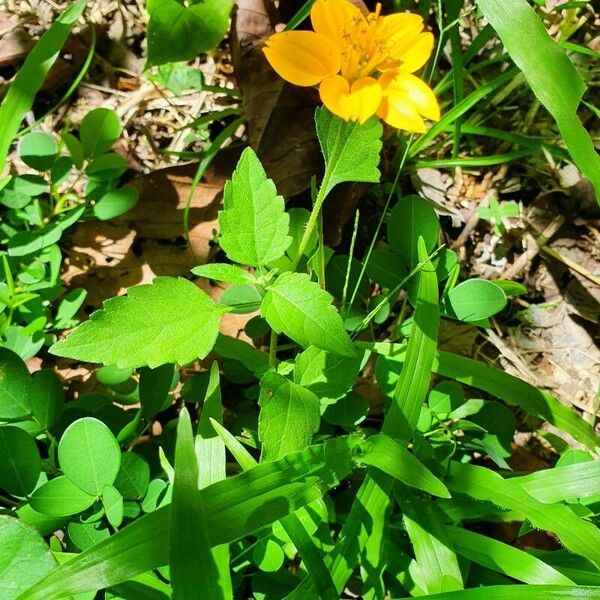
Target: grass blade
[238,506]
[210,451]
[521,592]
[437,563]
[550,74]
[29,79]
[193,567]
[503,558]
[577,535]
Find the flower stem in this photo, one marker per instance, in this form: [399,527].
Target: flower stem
[313,219]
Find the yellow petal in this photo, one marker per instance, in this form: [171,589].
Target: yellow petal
[416,52]
[395,27]
[401,114]
[404,85]
[302,57]
[332,18]
[356,103]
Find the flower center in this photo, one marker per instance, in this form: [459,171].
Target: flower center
[363,48]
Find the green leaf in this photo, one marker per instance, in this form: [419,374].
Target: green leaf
[115,203]
[575,481]
[327,375]
[387,455]
[89,455]
[549,72]
[386,268]
[60,497]
[180,31]
[577,535]
[411,218]
[112,501]
[475,300]
[30,77]
[25,557]
[14,386]
[46,397]
[517,392]
[178,77]
[357,540]
[20,463]
[192,573]
[155,385]
[168,321]
[436,563]
[298,307]
[38,150]
[351,150]
[99,130]
[254,225]
[212,464]
[224,272]
[510,561]
[237,507]
[521,592]
[289,416]
[133,477]
[106,167]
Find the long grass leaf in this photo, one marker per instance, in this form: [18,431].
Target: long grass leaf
[510,561]
[193,567]
[29,79]
[436,561]
[238,506]
[362,534]
[579,536]
[210,450]
[550,74]
[521,592]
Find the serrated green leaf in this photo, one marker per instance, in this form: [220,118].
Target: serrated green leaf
[168,321]
[289,416]
[254,225]
[351,150]
[298,307]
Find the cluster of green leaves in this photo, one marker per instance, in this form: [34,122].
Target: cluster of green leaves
[37,207]
[296,426]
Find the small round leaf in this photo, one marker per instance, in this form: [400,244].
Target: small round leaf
[60,497]
[38,150]
[89,455]
[99,130]
[20,464]
[134,476]
[115,203]
[475,299]
[412,217]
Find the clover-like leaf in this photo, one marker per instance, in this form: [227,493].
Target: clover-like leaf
[254,224]
[168,321]
[298,307]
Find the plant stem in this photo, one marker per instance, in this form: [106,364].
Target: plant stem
[313,219]
[273,349]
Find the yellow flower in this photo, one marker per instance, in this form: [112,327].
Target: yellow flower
[363,64]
